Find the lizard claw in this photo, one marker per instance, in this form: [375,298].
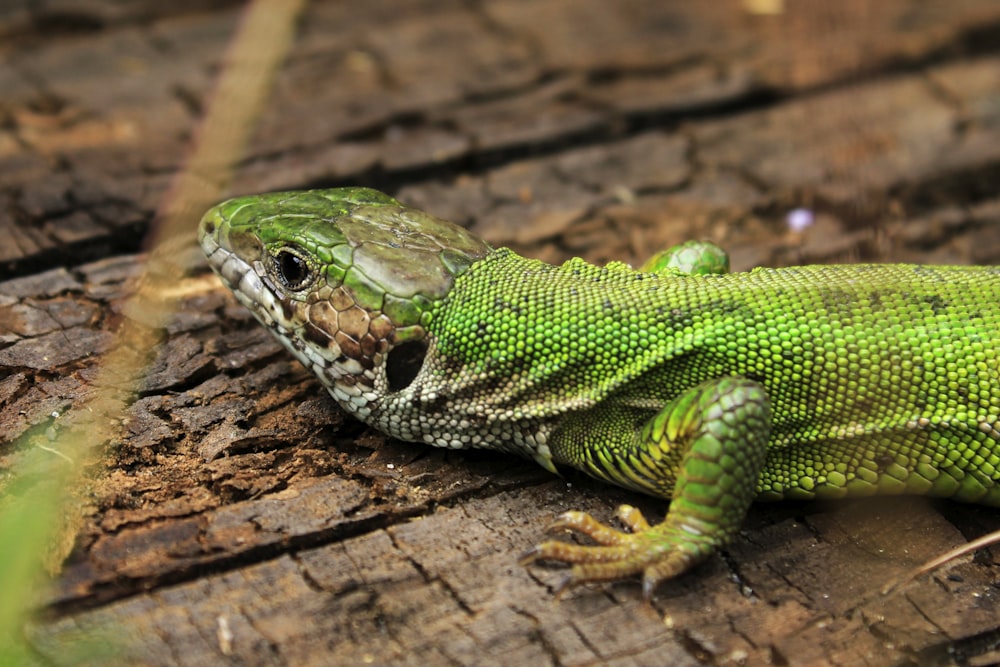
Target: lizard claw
[529,556]
[658,552]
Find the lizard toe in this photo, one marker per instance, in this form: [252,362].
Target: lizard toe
[658,552]
[585,524]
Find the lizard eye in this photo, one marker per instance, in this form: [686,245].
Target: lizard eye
[404,363]
[292,270]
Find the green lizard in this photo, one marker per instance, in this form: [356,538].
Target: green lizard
[680,380]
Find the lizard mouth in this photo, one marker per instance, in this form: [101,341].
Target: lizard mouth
[248,281]
[356,353]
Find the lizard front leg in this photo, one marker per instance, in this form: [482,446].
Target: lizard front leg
[705,450]
[695,258]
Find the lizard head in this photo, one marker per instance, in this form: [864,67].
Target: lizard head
[345,278]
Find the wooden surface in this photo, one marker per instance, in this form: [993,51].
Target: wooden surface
[243,519]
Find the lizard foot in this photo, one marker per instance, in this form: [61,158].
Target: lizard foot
[704,451]
[659,552]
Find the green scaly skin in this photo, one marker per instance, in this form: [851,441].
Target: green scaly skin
[681,380]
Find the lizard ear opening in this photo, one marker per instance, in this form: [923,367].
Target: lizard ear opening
[403,363]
